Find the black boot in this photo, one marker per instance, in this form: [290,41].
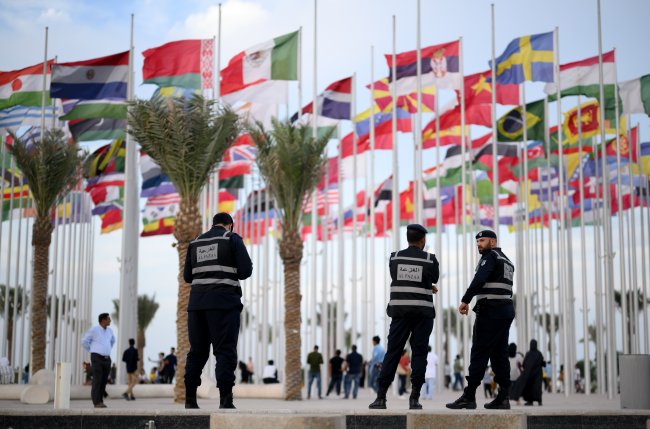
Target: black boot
[225,399]
[414,403]
[501,402]
[467,400]
[380,402]
[190,397]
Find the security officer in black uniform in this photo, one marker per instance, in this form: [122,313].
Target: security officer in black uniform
[413,273]
[492,287]
[216,261]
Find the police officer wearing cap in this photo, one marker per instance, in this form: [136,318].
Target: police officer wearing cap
[413,273]
[216,261]
[492,287]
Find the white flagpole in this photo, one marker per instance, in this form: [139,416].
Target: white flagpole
[646,292]
[631,226]
[371,274]
[57,300]
[417,174]
[439,226]
[354,284]
[53,286]
[24,340]
[326,240]
[607,223]
[128,319]
[12,188]
[44,88]
[463,144]
[583,261]
[217,86]
[495,162]
[14,340]
[523,288]
[395,187]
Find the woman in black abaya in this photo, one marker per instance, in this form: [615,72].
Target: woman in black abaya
[529,383]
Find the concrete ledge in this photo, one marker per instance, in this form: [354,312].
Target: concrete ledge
[35,395]
[233,420]
[467,420]
[258,391]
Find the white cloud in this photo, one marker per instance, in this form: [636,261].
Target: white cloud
[54,15]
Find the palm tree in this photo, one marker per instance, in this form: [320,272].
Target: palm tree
[16,293]
[51,167]
[187,138]
[147,308]
[291,162]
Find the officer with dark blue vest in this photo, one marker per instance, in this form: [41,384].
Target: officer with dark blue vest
[216,261]
[492,287]
[413,274]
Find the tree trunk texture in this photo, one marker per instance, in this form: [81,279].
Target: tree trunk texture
[291,247]
[140,342]
[188,226]
[41,239]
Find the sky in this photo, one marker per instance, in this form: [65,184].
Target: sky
[346,31]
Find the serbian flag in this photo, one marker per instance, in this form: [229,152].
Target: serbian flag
[95,79]
[440,66]
[183,63]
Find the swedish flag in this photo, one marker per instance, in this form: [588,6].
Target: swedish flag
[526,58]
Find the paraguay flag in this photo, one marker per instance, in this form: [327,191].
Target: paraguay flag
[96,79]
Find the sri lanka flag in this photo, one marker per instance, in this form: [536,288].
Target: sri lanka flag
[440,66]
[526,58]
[96,79]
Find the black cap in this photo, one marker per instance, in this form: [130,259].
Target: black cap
[486,233]
[417,227]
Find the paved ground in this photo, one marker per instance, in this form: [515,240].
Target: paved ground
[553,404]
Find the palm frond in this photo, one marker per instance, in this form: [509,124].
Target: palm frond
[51,168]
[187,138]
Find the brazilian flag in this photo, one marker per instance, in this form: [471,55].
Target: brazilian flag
[510,127]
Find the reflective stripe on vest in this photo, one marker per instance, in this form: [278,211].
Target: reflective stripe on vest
[209,268]
[407,289]
[428,260]
[216,282]
[493,296]
[494,285]
[416,302]
[226,236]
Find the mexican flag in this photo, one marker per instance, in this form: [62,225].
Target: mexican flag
[635,94]
[276,59]
[24,87]
[183,63]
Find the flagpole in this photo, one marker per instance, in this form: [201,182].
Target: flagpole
[128,320]
[495,162]
[527,323]
[417,186]
[5,330]
[18,246]
[371,276]
[395,189]
[217,86]
[43,96]
[25,308]
[354,288]
[439,227]
[607,222]
[644,201]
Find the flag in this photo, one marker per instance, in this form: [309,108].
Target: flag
[90,109]
[107,198]
[384,194]
[589,122]
[15,117]
[74,209]
[24,87]
[97,129]
[510,127]
[96,79]
[478,90]
[243,149]
[635,95]
[383,131]
[234,168]
[267,92]
[332,175]
[154,181]
[450,121]
[526,58]
[335,102]
[182,63]
[10,211]
[440,66]
[235,182]
[256,112]
[582,78]
[111,221]
[107,159]
[408,101]
[159,214]
[175,92]
[276,59]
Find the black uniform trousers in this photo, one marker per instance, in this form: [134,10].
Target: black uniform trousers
[419,329]
[100,367]
[219,328]
[490,342]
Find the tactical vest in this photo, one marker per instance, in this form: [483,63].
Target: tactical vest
[410,288]
[499,284]
[213,265]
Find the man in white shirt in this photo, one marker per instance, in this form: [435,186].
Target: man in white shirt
[430,375]
[270,373]
[99,341]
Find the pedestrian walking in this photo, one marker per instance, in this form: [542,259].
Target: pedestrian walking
[314,360]
[374,366]
[430,374]
[336,373]
[529,384]
[458,374]
[99,341]
[402,372]
[354,362]
[130,357]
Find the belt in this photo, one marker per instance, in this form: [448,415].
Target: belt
[100,356]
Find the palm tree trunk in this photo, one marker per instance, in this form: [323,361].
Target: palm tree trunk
[141,343]
[291,253]
[41,239]
[188,226]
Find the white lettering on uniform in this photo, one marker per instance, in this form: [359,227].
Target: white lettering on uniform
[507,271]
[411,273]
[206,253]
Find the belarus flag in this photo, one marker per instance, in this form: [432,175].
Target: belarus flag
[276,59]
[95,79]
[24,87]
[183,63]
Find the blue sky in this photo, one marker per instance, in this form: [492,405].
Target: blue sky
[346,29]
